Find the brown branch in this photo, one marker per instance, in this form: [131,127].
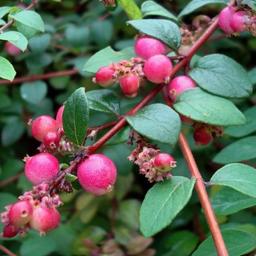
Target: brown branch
[6,251]
[6,182]
[46,76]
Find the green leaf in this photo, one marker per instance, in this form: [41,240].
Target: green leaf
[33,92]
[207,108]
[163,202]
[250,3]
[227,201]
[103,100]
[4,10]
[245,129]
[196,4]
[252,75]
[6,199]
[106,57]
[240,150]
[77,36]
[131,9]
[102,32]
[15,38]
[164,30]
[221,75]
[240,177]
[30,19]
[151,8]
[76,116]
[238,243]
[6,69]
[158,122]
[39,44]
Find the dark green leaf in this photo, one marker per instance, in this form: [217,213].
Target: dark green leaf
[240,150]
[250,3]
[76,116]
[221,75]
[77,36]
[102,32]
[163,202]
[6,69]
[158,122]
[252,75]
[39,44]
[16,39]
[240,177]
[4,10]
[164,30]
[207,108]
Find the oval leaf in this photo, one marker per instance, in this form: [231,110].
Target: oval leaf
[76,116]
[15,38]
[221,75]
[158,122]
[6,69]
[131,8]
[164,30]
[163,202]
[240,177]
[207,108]
[243,149]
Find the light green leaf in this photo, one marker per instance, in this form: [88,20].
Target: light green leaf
[131,8]
[4,10]
[6,69]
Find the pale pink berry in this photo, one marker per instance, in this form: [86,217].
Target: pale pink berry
[11,49]
[157,69]
[202,135]
[146,47]
[178,85]
[104,76]
[238,21]
[52,140]
[97,174]
[41,126]
[225,17]
[164,162]
[42,167]
[130,85]
[20,213]
[59,117]
[10,231]
[44,218]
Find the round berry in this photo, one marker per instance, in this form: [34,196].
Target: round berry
[202,135]
[146,47]
[41,126]
[97,174]
[10,231]
[52,140]
[59,117]
[44,218]
[238,21]
[225,17]
[178,85]
[40,168]
[164,162]
[104,76]
[20,213]
[11,49]
[130,85]
[157,69]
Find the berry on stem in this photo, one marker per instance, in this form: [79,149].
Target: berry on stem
[97,174]
[41,126]
[238,21]
[178,85]
[130,85]
[52,140]
[158,68]
[202,135]
[10,231]
[164,162]
[225,17]
[11,49]
[104,76]
[146,47]
[42,167]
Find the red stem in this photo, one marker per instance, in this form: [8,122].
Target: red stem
[6,251]
[32,78]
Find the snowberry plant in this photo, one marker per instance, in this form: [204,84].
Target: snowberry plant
[131,125]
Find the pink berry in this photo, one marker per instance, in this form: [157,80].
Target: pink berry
[97,174]
[164,162]
[202,136]
[59,117]
[178,85]
[104,76]
[44,218]
[238,21]
[11,49]
[41,126]
[157,69]
[52,140]
[20,213]
[130,85]
[146,47]
[225,17]
[42,167]
[10,231]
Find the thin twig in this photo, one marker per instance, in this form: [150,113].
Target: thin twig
[6,251]
[10,180]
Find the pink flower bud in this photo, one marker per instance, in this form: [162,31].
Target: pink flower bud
[104,76]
